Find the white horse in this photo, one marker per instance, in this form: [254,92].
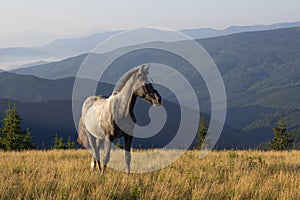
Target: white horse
[104,119]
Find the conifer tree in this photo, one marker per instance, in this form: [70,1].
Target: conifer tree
[202,131]
[70,144]
[12,137]
[282,140]
[56,141]
[61,144]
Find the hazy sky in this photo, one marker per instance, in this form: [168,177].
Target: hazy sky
[80,16]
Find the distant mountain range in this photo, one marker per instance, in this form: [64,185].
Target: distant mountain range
[28,88]
[58,49]
[63,48]
[40,62]
[20,53]
[260,72]
[202,33]
[75,46]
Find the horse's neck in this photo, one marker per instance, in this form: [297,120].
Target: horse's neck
[131,107]
[123,102]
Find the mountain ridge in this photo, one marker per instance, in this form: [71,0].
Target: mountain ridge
[202,33]
[68,47]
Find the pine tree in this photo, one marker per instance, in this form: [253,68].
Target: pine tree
[202,131]
[26,140]
[70,144]
[56,141]
[12,137]
[282,140]
[61,144]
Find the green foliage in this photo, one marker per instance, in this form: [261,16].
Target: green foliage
[202,131]
[12,137]
[232,156]
[62,195]
[255,161]
[135,193]
[56,141]
[26,140]
[60,144]
[70,144]
[118,144]
[282,139]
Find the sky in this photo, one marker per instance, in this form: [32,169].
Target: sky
[42,19]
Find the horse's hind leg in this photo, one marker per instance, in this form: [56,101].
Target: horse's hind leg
[93,163]
[95,150]
[106,157]
[99,142]
[86,140]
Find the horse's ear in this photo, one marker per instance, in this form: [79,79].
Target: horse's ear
[141,69]
[146,67]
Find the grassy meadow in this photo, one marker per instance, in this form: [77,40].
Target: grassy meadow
[59,174]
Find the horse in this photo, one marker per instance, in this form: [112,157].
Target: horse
[104,119]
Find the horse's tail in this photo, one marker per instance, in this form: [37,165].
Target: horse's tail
[79,141]
[82,137]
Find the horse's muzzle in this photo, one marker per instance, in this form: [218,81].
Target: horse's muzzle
[157,100]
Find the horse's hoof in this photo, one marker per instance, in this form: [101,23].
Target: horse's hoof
[103,168]
[93,165]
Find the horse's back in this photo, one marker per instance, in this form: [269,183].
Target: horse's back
[91,114]
[90,101]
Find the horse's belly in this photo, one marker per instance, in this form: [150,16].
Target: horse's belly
[92,124]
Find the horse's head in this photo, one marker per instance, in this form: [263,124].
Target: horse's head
[145,89]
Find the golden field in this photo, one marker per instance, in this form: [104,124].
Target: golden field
[59,174]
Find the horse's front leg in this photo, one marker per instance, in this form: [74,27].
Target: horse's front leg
[128,141]
[107,147]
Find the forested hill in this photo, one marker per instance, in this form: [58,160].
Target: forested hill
[257,61]
[261,72]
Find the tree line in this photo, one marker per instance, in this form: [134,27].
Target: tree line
[12,137]
[282,138]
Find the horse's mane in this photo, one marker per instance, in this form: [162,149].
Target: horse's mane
[124,79]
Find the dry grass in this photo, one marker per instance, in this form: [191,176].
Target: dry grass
[221,175]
